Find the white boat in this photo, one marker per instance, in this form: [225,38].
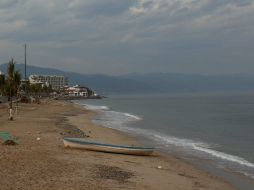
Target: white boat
[104,147]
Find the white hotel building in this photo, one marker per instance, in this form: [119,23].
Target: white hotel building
[57,82]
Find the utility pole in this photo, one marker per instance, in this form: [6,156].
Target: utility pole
[25,80]
[25,62]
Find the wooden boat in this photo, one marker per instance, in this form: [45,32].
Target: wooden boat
[103,147]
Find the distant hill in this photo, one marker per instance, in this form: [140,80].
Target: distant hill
[149,83]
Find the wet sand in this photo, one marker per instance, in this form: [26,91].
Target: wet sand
[40,161]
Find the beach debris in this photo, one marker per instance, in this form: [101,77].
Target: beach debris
[7,138]
[38,138]
[10,142]
[159,167]
[74,132]
[113,173]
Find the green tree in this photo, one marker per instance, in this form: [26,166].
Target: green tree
[35,89]
[13,82]
[2,83]
[47,89]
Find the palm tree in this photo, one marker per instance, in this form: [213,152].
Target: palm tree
[13,82]
[2,83]
[17,80]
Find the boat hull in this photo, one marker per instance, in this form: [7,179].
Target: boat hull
[101,147]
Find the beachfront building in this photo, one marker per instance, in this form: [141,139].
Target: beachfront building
[77,90]
[55,81]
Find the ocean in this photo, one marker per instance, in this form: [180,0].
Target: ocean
[214,132]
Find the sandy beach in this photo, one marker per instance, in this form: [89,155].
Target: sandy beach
[40,160]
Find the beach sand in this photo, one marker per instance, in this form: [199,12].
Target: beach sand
[40,160]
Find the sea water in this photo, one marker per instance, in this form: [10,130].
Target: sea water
[214,131]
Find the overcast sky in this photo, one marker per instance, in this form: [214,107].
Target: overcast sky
[123,36]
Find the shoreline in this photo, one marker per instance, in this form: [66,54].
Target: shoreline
[136,141]
[46,164]
[236,180]
[210,161]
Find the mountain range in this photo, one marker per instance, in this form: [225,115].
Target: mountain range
[150,82]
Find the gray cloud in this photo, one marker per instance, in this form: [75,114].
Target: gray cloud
[7,3]
[118,36]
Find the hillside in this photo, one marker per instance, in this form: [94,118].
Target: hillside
[149,83]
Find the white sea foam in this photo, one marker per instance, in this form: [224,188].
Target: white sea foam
[224,156]
[203,147]
[114,114]
[248,175]
[177,141]
[119,117]
[190,144]
[95,107]
[111,118]
[132,116]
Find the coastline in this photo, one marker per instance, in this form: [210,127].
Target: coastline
[45,164]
